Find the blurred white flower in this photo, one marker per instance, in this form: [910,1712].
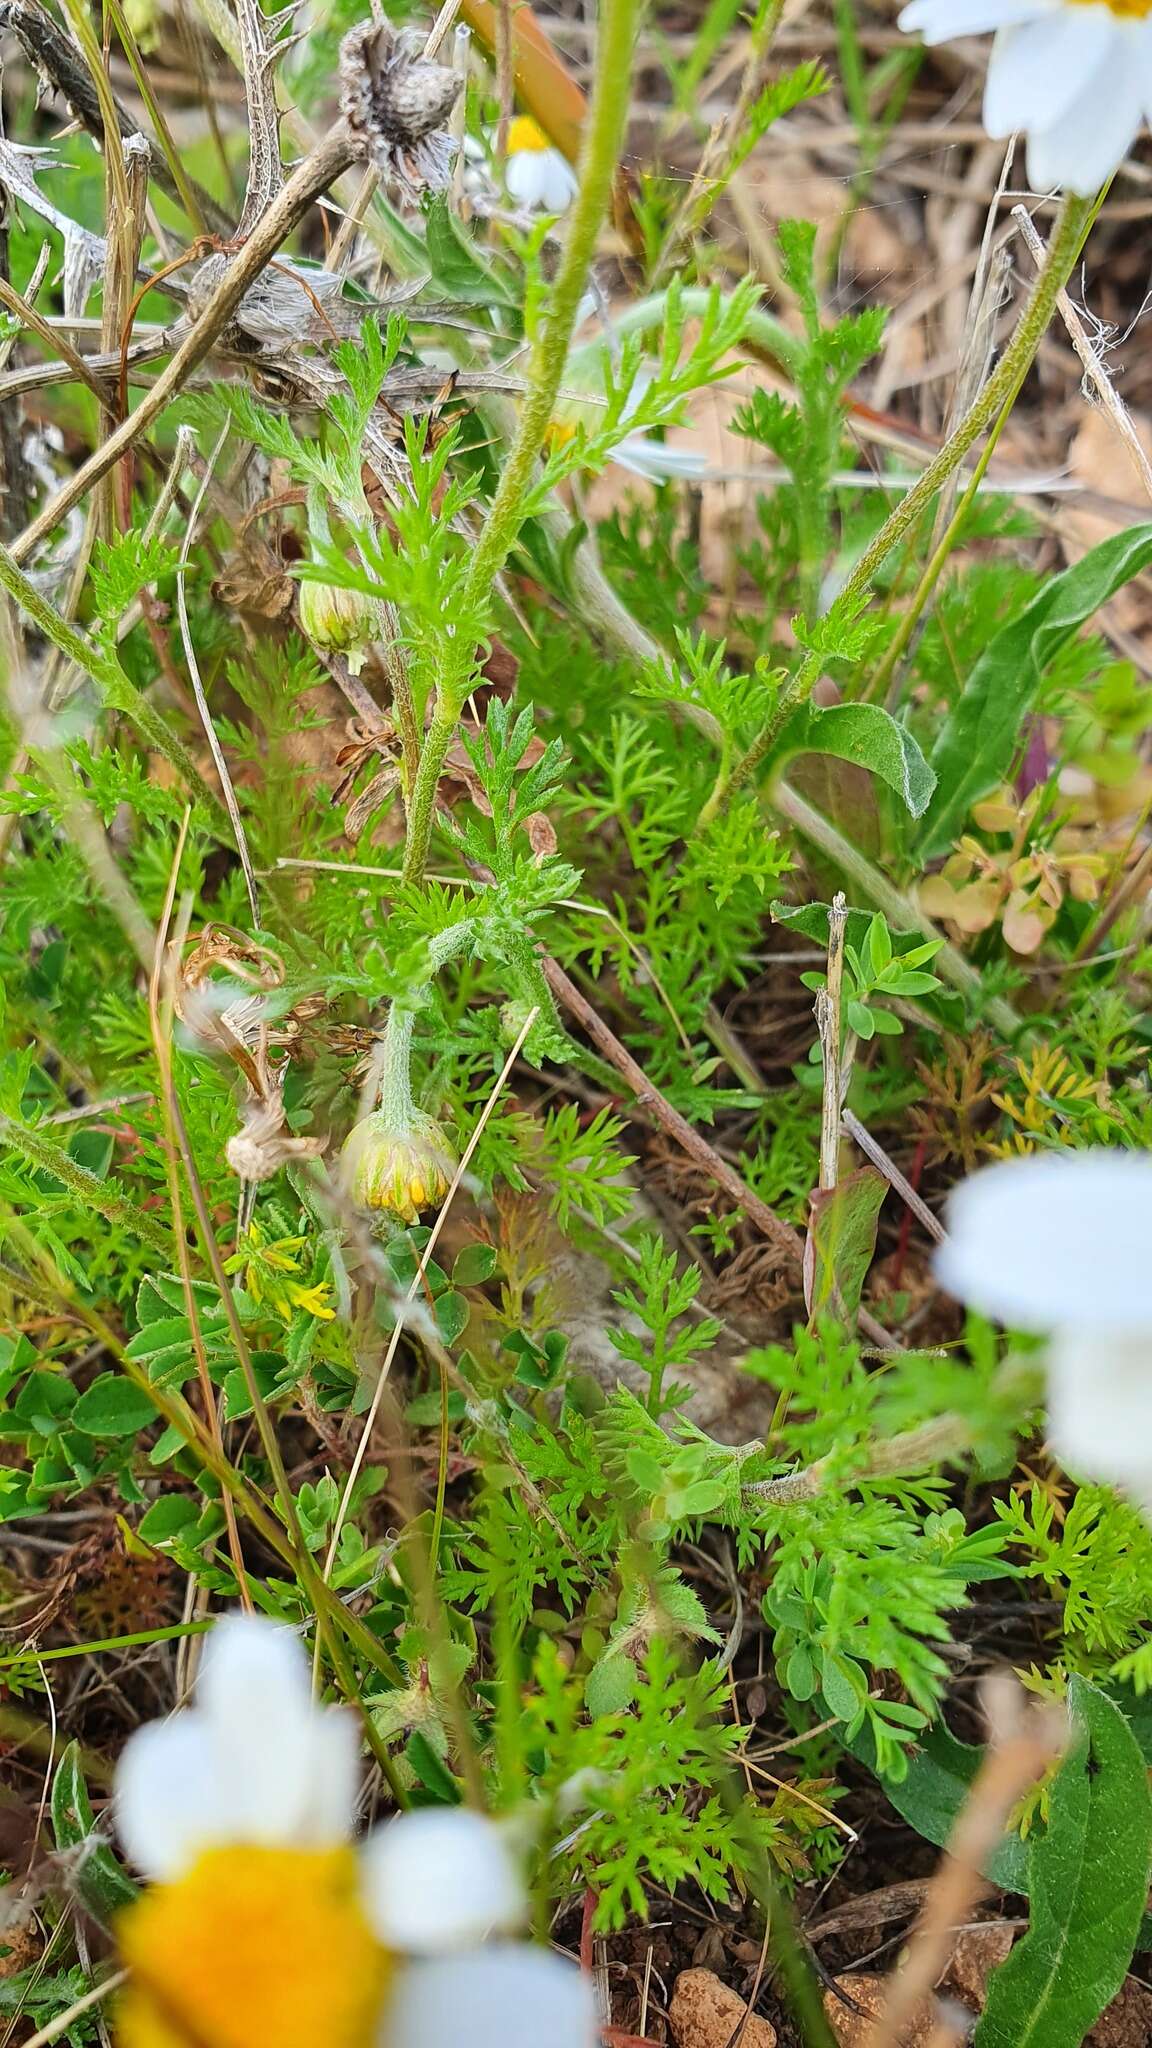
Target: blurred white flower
[1076,75]
[254,1761]
[655,460]
[436,1883]
[1062,1244]
[509,1995]
[538,176]
[440,1878]
[266,1929]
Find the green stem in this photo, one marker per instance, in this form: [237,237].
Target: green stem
[602,138]
[998,392]
[142,1636]
[99,1195]
[394,1092]
[422,801]
[886,669]
[901,911]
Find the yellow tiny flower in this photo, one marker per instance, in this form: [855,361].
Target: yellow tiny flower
[314,1300]
[401,1172]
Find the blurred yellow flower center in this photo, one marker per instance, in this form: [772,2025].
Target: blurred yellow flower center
[523,134]
[253,1948]
[1129,10]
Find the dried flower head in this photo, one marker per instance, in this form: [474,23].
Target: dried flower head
[263,1144]
[220,986]
[396,102]
[398,1170]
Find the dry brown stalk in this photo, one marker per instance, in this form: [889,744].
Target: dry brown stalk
[788,1241]
[334,154]
[1023,1741]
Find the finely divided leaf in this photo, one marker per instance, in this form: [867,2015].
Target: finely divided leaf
[1088,1884]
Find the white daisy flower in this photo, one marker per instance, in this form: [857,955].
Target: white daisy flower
[538,176]
[266,1929]
[1076,75]
[1062,1244]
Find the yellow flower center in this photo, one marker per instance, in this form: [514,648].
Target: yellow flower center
[252,1948]
[524,134]
[1128,10]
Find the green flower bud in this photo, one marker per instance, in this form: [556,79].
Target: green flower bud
[338,621]
[514,1015]
[398,1171]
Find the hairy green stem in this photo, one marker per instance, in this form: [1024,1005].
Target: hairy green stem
[939,1441]
[603,135]
[393,1071]
[99,1195]
[888,677]
[999,391]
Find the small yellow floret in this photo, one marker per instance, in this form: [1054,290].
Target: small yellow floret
[253,1948]
[524,135]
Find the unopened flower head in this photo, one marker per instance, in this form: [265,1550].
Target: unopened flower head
[1074,75]
[538,176]
[400,1168]
[265,1928]
[1059,1244]
[338,621]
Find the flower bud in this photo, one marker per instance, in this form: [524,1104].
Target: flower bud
[338,621]
[398,1171]
[514,1015]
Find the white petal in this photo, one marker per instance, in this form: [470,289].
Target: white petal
[440,1878]
[1036,70]
[167,1795]
[333,1778]
[1093,135]
[270,1741]
[655,460]
[505,1996]
[540,177]
[939,21]
[1100,1405]
[1055,1240]
[249,1662]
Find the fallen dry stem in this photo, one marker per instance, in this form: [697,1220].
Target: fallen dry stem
[1023,1743]
[787,1241]
[1091,355]
[310,178]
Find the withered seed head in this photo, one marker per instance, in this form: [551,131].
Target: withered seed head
[396,103]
